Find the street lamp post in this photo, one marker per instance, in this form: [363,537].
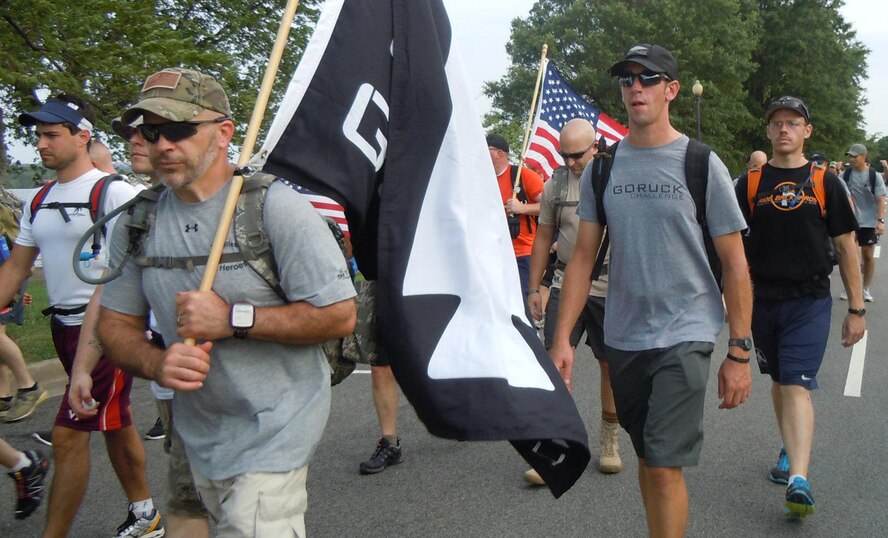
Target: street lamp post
[698,91]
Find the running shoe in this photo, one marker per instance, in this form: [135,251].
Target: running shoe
[799,499]
[385,454]
[867,296]
[156,432]
[141,527]
[29,488]
[844,295]
[26,401]
[780,472]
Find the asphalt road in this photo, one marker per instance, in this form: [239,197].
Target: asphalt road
[448,488]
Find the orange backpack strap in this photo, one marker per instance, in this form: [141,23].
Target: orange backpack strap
[752,184]
[817,179]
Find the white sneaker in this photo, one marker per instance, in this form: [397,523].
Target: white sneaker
[867,296]
[844,295]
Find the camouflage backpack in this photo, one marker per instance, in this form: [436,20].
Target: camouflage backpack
[255,249]
[10,215]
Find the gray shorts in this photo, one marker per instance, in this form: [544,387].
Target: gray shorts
[182,498]
[591,322]
[660,395]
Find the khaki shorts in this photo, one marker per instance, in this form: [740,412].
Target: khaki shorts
[257,504]
[183,500]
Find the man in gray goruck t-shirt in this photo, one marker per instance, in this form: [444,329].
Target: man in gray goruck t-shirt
[664,310]
[251,417]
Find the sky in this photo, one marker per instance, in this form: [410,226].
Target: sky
[481,30]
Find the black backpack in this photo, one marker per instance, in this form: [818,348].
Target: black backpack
[697,177]
[514,220]
[846,175]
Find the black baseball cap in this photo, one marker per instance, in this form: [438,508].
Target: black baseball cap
[496,141]
[788,102]
[653,57]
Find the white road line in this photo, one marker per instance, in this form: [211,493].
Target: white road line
[877,251]
[361,372]
[855,369]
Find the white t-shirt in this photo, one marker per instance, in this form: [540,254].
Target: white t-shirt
[56,239]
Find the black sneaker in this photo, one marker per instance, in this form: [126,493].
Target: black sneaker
[29,486]
[44,437]
[386,454]
[156,431]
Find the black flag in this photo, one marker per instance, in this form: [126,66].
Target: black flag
[379,117]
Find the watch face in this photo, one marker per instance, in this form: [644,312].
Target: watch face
[242,315]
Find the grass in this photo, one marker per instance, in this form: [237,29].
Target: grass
[34,338]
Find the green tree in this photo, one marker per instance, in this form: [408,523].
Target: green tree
[103,50]
[806,49]
[744,56]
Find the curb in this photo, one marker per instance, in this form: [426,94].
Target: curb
[50,375]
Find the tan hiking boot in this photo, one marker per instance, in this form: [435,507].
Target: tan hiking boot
[610,461]
[534,478]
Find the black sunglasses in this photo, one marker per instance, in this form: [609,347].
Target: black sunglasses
[173,131]
[575,156]
[647,79]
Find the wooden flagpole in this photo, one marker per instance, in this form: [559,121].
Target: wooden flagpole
[246,153]
[533,102]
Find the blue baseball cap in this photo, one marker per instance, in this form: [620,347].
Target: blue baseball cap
[55,111]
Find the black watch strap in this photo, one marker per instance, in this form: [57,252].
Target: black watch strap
[858,312]
[738,359]
[743,343]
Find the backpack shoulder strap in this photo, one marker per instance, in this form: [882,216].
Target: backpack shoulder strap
[753,178]
[98,195]
[37,201]
[818,174]
[559,180]
[872,180]
[600,175]
[697,175]
[249,230]
[846,175]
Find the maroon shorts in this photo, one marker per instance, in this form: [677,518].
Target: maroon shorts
[111,387]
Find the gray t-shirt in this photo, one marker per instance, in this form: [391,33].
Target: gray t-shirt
[264,405]
[864,201]
[661,291]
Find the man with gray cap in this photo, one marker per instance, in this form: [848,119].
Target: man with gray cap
[868,192]
[52,228]
[250,419]
[664,308]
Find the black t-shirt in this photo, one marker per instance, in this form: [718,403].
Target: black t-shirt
[786,243]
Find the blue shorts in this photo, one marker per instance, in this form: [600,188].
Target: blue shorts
[790,338]
[16,313]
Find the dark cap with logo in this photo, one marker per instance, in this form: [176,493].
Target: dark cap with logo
[56,111]
[496,141]
[179,94]
[653,57]
[788,102]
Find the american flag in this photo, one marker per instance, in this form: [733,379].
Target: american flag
[559,103]
[327,207]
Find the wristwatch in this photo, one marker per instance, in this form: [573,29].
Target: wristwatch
[743,343]
[857,312]
[242,318]
[882,220]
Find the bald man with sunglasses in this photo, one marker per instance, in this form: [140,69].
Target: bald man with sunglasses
[664,310]
[251,418]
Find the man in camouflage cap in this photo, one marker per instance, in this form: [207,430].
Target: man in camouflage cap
[252,417]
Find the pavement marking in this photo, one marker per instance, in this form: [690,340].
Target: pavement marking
[361,372]
[877,251]
[855,369]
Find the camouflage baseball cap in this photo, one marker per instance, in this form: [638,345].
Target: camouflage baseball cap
[178,95]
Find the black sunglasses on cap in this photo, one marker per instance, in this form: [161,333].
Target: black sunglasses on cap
[575,156]
[173,131]
[647,79]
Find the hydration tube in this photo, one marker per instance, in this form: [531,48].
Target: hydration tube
[136,227]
